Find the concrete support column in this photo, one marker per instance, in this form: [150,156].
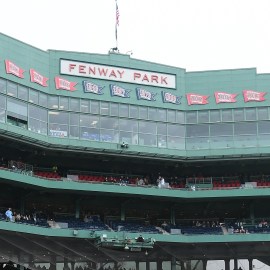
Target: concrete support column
[53,263]
[31,264]
[188,265]
[137,265]
[173,263]
[123,212]
[182,265]
[204,263]
[72,264]
[22,205]
[147,265]
[159,264]
[227,264]
[250,264]
[172,215]
[77,208]
[235,264]
[65,264]
[251,213]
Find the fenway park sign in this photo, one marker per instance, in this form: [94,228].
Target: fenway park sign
[119,74]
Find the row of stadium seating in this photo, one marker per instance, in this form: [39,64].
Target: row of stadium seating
[133,227]
[47,174]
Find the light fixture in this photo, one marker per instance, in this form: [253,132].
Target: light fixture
[126,247]
[146,253]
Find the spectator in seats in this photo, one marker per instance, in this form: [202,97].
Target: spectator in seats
[9,215]
[140,182]
[161,182]
[3,162]
[17,217]
[55,169]
[140,239]
[146,181]
[164,225]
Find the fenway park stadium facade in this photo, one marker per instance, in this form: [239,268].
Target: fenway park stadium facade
[110,162]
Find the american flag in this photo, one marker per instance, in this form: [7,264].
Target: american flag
[117,14]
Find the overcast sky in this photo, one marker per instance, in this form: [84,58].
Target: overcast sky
[192,34]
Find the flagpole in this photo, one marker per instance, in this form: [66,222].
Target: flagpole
[116,24]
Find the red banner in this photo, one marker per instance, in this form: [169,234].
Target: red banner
[14,69]
[250,95]
[222,97]
[38,78]
[193,99]
[64,84]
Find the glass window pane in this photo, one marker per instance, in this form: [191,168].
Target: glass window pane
[152,113]
[17,109]
[63,103]
[180,117]
[85,105]
[109,123]
[263,113]
[59,117]
[74,132]
[74,119]
[214,116]
[108,135]
[58,124]
[238,115]
[143,113]
[176,130]
[89,127]
[162,141]
[197,130]
[22,93]
[123,110]
[37,119]
[33,96]
[104,108]
[114,109]
[2,102]
[246,128]
[203,116]
[251,114]
[227,115]
[171,116]
[2,115]
[85,120]
[176,142]
[162,128]
[222,129]
[264,127]
[43,100]
[133,111]
[94,107]
[128,137]
[74,104]
[147,127]
[128,125]
[162,115]
[191,117]
[147,139]
[38,113]
[3,86]
[12,89]
[53,102]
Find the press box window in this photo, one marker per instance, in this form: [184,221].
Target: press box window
[17,113]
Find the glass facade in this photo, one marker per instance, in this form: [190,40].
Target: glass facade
[75,118]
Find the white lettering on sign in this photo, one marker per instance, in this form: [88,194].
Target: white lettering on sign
[120,74]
